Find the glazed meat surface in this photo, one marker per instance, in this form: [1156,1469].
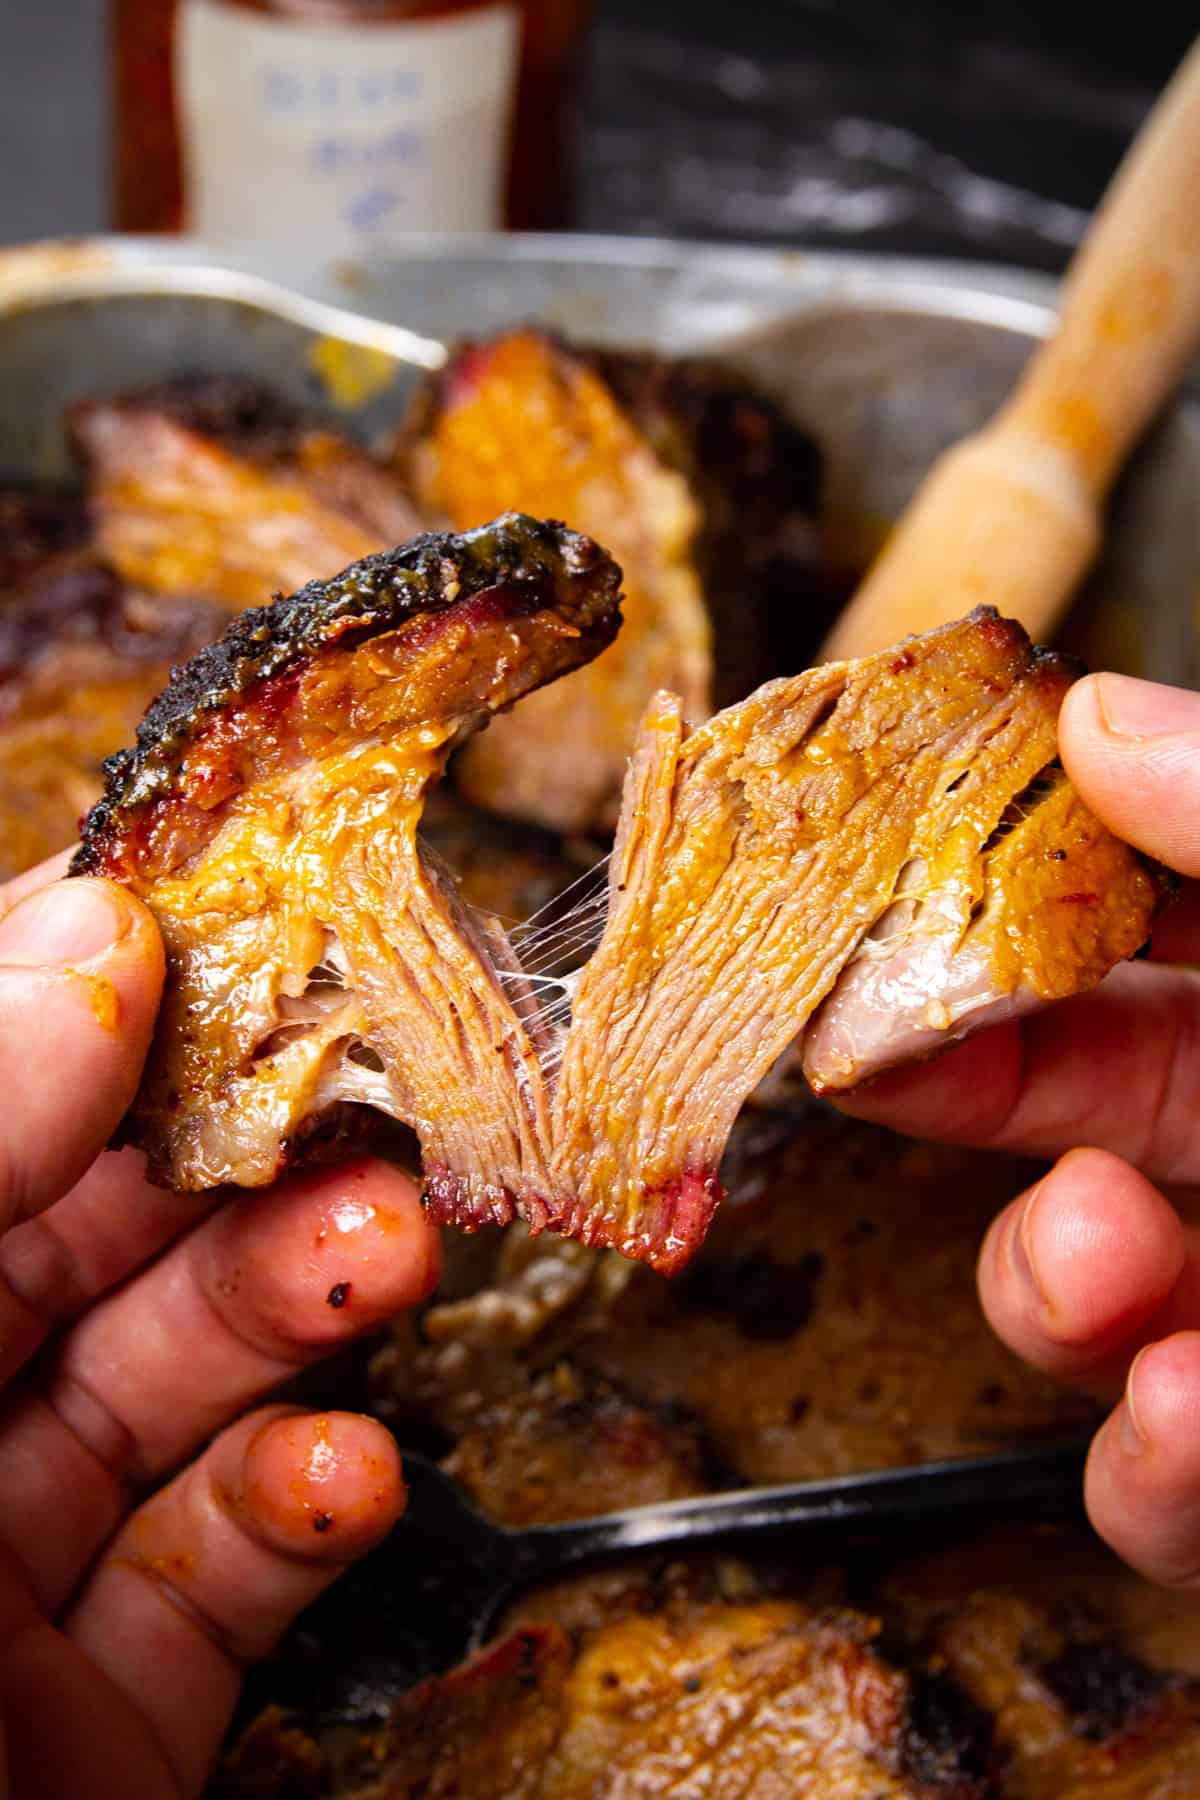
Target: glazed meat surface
[269,816]
[703,492]
[728,1701]
[218,487]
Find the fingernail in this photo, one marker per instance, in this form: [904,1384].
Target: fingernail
[71,922]
[1143,709]
[1020,1252]
[1130,1436]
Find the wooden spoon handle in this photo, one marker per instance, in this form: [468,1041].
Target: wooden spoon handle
[1011,516]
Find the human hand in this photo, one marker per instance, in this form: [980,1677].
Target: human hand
[134,1324]
[1092,1274]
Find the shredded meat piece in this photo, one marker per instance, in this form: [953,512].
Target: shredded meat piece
[703,492]
[754,856]
[218,487]
[317,958]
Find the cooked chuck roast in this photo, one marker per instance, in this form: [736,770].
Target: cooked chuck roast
[318,957]
[1030,1659]
[725,1700]
[702,490]
[218,487]
[732,1681]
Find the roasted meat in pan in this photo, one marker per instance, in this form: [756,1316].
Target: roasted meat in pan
[727,1701]
[318,957]
[81,657]
[702,490]
[218,487]
[983,1675]
[82,654]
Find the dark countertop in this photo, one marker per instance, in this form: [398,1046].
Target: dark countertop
[929,127]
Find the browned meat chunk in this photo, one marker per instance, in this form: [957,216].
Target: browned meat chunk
[764,1699]
[270,813]
[81,657]
[577,1443]
[318,957]
[217,487]
[705,495]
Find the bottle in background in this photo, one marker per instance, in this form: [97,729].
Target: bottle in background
[326,124]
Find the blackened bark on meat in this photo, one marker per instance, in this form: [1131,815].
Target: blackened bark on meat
[428,575]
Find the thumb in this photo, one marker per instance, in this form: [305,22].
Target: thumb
[1132,751]
[81,969]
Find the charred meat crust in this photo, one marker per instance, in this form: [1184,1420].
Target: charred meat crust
[428,575]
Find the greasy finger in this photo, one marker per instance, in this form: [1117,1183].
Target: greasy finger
[1143,1477]
[267,1284]
[1078,1270]
[53,1266]
[202,1581]
[270,1282]
[1132,749]
[81,969]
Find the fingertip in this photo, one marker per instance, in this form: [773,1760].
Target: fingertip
[322,1256]
[1143,1474]
[1132,751]
[322,1486]
[1072,1270]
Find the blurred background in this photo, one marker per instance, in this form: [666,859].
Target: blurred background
[986,130]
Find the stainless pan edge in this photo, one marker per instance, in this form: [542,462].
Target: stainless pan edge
[886,359]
